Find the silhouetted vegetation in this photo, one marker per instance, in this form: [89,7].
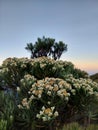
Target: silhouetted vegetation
[47,47]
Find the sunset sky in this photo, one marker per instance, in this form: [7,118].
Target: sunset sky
[75,22]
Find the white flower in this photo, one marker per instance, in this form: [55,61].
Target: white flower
[43,108]
[49,102]
[42,65]
[50,114]
[25,103]
[44,118]
[66,98]
[91,92]
[49,93]
[59,92]
[18,89]
[19,106]
[33,91]
[29,92]
[56,114]
[68,94]
[52,108]
[38,116]
[49,118]
[39,96]
[50,88]
[31,98]
[60,86]
[41,112]
[73,91]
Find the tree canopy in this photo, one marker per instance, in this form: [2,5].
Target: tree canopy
[47,47]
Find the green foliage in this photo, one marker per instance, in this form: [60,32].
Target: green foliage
[23,120]
[76,126]
[46,95]
[94,77]
[25,84]
[72,126]
[70,99]
[14,69]
[79,73]
[3,124]
[7,105]
[92,127]
[43,101]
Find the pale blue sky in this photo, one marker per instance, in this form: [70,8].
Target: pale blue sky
[74,22]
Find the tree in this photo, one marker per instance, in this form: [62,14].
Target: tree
[30,47]
[46,47]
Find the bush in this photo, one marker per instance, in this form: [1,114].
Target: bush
[53,101]
[14,69]
[47,93]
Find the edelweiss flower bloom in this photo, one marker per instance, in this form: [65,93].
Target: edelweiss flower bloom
[47,114]
[44,118]
[47,111]
[38,115]
[25,103]
[20,106]
[18,89]
[56,114]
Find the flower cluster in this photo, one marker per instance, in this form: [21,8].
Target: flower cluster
[13,62]
[46,90]
[27,80]
[47,114]
[14,69]
[51,87]
[90,87]
[50,93]
[24,103]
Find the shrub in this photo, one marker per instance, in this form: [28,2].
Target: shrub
[53,101]
[47,93]
[14,69]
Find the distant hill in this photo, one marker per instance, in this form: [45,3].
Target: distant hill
[94,77]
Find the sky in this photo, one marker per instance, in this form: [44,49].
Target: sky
[75,22]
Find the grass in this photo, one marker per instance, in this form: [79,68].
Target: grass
[76,126]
